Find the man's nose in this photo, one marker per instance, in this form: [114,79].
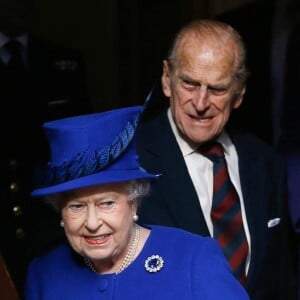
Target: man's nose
[200,99]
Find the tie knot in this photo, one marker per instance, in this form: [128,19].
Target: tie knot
[212,149]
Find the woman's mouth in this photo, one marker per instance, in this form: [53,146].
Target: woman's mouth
[97,240]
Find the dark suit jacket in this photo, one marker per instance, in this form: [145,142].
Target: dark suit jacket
[173,201]
[254,22]
[53,86]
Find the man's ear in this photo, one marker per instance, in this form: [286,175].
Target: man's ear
[165,79]
[239,99]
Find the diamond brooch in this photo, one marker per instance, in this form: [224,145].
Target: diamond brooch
[154,263]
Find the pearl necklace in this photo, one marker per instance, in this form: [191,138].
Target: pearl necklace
[128,258]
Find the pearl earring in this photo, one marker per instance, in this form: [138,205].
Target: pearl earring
[135,218]
[62,224]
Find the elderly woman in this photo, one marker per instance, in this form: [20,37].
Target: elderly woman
[96,183]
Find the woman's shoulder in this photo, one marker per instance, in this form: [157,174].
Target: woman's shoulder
[61,253]
[163,240]
[159,229]
[170,234]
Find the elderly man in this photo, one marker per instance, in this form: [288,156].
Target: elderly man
[241,201]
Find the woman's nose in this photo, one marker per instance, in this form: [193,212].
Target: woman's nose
[93,218]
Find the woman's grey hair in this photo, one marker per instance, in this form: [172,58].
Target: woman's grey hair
[201,29]
[137,190]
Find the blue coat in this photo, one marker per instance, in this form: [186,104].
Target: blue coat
[194,268]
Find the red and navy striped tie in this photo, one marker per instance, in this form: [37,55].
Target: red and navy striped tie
[226,215]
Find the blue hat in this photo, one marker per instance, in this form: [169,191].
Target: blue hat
[89,150]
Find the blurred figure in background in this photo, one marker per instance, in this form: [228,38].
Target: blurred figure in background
[39,81]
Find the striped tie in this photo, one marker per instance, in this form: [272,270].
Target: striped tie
[226,215]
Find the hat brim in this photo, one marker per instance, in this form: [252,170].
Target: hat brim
[95,179]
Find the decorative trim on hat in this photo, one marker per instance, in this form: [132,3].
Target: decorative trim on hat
[84,164]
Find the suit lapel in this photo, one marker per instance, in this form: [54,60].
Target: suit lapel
[181,198]
[253,185]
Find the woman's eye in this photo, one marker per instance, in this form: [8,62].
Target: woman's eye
[106,204]
[75,207]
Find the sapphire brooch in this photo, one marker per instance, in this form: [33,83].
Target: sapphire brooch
[154,263]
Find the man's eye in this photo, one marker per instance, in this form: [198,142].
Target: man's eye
[218,91]
[188,85]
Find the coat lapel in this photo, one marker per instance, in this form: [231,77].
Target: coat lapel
[181,198]
[253,184]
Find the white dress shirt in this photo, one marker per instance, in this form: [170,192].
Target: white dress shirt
[200,169]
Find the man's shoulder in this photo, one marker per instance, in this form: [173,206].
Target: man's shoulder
[250,143]
[152,127]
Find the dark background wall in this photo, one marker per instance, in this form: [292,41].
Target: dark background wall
[123,41]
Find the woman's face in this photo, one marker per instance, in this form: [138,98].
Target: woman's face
[99,223]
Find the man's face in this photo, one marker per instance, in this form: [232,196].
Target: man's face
[202,90]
